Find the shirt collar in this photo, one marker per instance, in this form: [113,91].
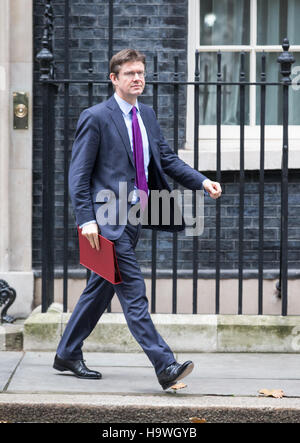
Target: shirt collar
[124,105]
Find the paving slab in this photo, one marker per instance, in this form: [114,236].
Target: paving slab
[99,359]
[132,374]
[115,380]
[8,363]
[246,365]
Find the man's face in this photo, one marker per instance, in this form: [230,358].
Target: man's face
[130,82]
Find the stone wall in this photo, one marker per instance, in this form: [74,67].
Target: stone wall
[16,154]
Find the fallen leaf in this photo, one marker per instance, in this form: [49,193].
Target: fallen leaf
[276,393]
[197,420]
[178,386]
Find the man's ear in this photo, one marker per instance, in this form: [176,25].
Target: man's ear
[113,77]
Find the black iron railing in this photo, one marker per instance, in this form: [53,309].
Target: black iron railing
[50,86]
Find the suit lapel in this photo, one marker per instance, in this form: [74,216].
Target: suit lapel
[147,125]
[118,120]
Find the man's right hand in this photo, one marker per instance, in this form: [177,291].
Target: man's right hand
[90,232]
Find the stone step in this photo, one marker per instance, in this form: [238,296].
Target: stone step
[136,410]
[11,336]
[183,332]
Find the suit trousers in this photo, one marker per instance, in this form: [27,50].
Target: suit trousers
[132,296]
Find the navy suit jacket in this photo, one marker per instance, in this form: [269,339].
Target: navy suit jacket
[102,158]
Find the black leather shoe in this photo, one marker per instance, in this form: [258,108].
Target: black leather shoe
[174,372]
[77,367]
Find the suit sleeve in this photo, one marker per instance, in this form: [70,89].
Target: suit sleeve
[176,168]
[84,152]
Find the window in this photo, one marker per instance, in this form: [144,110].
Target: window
[252,26]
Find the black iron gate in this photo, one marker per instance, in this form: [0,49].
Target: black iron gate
[52,86]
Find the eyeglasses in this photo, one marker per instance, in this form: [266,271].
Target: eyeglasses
[132,74]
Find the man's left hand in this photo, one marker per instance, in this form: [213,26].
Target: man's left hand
[213,188]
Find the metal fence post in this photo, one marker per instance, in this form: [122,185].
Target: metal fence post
[175,234]
[242,183]
[46,60]
[286,60]
[196,162]
[218,178]
[261,183]
[154,233]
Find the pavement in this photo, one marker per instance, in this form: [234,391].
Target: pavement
[222,388]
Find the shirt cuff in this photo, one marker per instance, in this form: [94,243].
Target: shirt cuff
[204,190]
[87,223]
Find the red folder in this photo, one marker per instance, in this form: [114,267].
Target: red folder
[102,262]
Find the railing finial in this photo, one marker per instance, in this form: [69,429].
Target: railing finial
[45,56]
[286,59]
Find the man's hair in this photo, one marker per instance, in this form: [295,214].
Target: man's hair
[125,56]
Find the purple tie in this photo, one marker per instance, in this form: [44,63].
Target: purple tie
[138,154]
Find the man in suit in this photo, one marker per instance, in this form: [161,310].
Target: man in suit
[120,141]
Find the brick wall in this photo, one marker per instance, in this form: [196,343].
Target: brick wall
[155,27]
[230,227]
